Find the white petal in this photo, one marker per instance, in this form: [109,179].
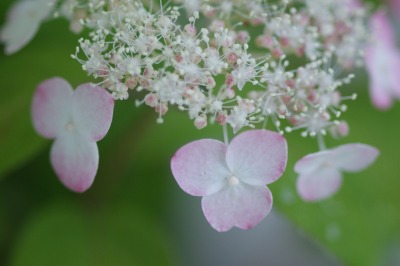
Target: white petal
[23,22]
[51,107]
[382,60]
[382,28]
[242,205]
[200,168]
[257,157]
[75,161]
[241,84]
[319,184]
[313,161]
[354,157]
[92,111]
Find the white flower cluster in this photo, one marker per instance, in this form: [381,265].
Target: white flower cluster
[225,61]
[236,63]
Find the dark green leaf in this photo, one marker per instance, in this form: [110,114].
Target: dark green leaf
[71,235]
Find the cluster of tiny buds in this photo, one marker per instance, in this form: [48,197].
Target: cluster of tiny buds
[217,68]
[281,64]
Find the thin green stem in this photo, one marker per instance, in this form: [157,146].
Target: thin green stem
[321,142]
[225,130]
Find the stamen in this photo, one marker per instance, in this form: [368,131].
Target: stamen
[233,181]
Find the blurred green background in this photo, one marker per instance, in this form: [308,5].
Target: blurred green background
[135,214]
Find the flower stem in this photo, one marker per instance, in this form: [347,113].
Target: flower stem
[225,130]
[321,142]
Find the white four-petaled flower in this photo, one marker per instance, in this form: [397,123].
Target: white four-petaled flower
[320,173]
[232,178]
[76,120]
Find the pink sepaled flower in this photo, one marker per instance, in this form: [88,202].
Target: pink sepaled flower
[382,59]
[320,173]
[76,120]
[232,178]
[23,21]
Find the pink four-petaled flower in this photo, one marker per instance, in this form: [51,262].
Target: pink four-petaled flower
[76,120]
[232,178]
[320,173]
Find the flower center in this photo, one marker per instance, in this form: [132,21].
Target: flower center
[233,181]
[69,126]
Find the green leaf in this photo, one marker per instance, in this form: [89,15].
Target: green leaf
[57,235]
[68,234]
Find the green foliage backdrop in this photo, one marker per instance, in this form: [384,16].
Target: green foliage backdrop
[123,219]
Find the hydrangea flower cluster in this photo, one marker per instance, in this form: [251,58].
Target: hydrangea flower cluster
[241,64]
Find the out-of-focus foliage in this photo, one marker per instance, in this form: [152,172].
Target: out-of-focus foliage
[66,234]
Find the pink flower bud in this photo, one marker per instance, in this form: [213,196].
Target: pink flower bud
[243,37]
[284,41]
[217,25]
[264,41]
[230,93]
[200,122]
[221,118]
[232,58]
[210,83]
[229,80]
[190,30]
[144,83]
[131,83]
[277,53]
[340,130]
[161,108]
[151,100]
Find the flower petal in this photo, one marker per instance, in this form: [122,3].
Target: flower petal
[312,162]
[243,206]
[75,161]
[200,168]
[380,95]
[382,29]
[23,22]
[354,157]
[92,111]
[257,157]
[319,184]
[382,60]
[382,63]
[51,107]
[394,6]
